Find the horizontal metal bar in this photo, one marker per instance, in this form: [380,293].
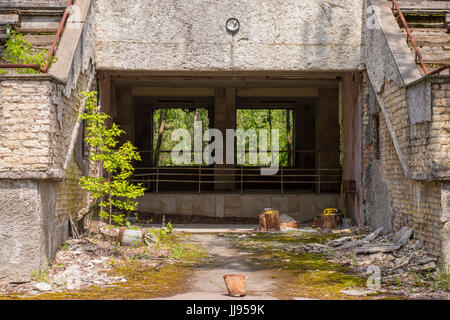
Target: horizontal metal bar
[229,169]
[36,67]
[235,181]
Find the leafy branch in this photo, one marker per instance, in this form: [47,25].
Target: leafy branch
[115,190]
[19,50]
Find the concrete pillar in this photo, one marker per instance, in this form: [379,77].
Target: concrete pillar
[225,118]
[351,143]
[327,134]
[125,113]
[29,232]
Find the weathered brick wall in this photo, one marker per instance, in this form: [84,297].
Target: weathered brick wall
[439,144]
[37,122]
[26,125]
[71,198]
[414,203]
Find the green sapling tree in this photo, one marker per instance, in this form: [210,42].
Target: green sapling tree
[114,189]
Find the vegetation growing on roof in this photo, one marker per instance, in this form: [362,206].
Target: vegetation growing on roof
[18,50]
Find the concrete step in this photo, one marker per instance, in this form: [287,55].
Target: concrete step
[38,24]
[423,6]
[9,19]
[426,38]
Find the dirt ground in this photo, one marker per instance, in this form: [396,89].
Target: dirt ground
[207,282]
[296,264]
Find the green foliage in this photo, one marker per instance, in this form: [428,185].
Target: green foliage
[19,50]
[41,275]
[169,227]
[443,278]
[177,251]
[161,235]
[115,190]
[165,239]
[172,119]
[267,119]
[165,121]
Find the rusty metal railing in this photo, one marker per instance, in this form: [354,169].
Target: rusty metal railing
[409,38]
[239,176]
[438,70]
[51,52]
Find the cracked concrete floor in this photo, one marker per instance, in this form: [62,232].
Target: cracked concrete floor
[207,281]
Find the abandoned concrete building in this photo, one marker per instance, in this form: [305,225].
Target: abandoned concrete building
[366,82]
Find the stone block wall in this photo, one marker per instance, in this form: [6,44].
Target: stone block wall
[439,143]
[25,122]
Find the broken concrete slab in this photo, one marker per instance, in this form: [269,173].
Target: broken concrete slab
[402,236]
[340,241]
[374,248]
[373,235]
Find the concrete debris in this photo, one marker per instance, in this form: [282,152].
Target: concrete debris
[340,241]
[418,244]
[286,218]
[373,235]
[374,248]
[425,267]
[359,292]
[351,244]
[426,260]
[402,236]
[85,262]
[42,286]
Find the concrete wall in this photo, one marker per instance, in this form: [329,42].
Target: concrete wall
[26,219]
[178,35]
[303,207]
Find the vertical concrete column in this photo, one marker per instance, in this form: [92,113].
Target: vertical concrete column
[125,113]
[327,134]
[225,118]
[351,143]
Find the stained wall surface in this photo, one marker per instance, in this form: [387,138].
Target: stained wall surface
[295,35]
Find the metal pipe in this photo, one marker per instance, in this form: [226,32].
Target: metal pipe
[410,36]
[440,69]
[36,67]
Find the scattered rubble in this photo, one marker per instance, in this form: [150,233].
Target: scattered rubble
[86,262]
[405,268]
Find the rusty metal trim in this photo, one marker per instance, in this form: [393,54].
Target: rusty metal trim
[440,69]
[36,67]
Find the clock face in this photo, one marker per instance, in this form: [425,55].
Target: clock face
[232,25]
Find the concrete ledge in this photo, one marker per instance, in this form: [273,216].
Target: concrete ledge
[388,56]
[301,206]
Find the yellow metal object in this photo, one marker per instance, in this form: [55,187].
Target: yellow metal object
[330,211]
